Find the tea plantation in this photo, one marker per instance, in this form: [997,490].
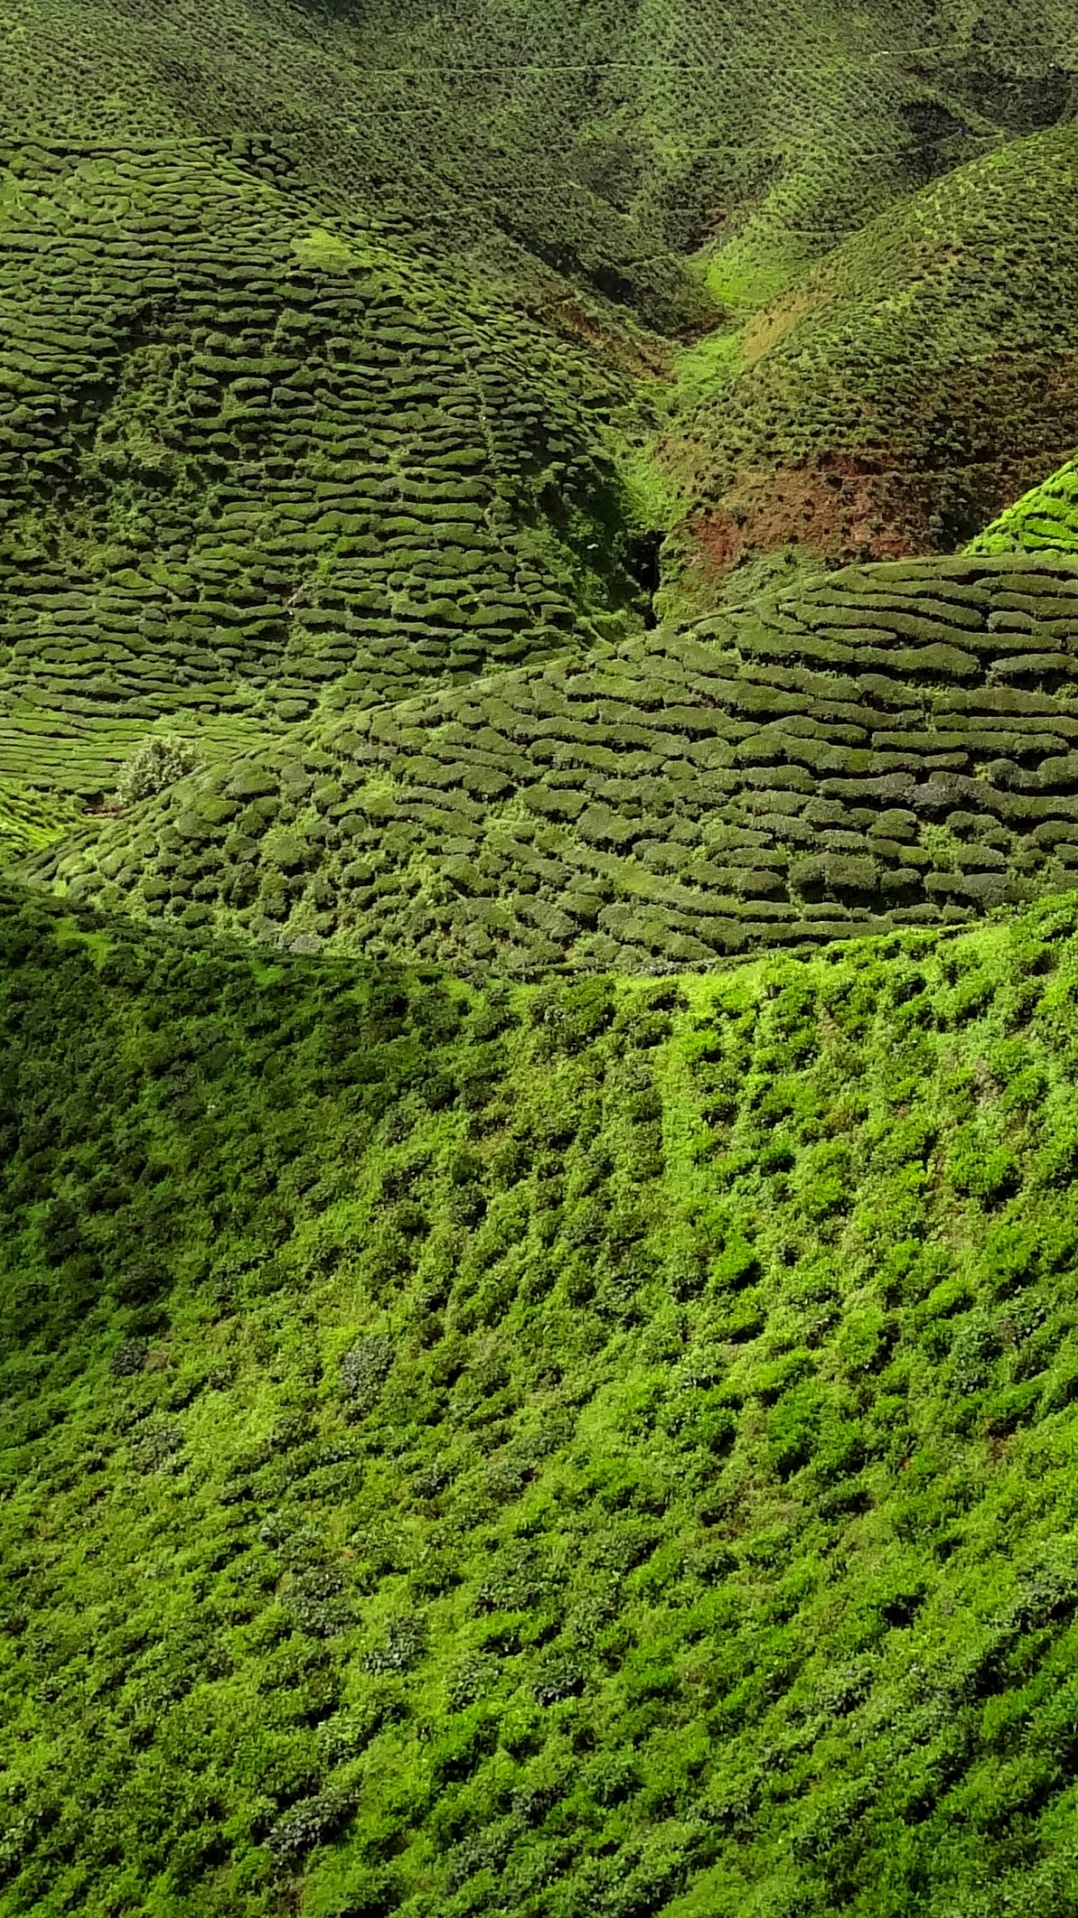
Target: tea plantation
[538,959]
[1043,520]
[897,395]
[893,747]
[254,467]
[586,1448]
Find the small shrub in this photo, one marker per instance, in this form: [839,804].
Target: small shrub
[405,1643]
[155,765]
[128,1358]
[559,1676]
[364,1369]
[307,1824]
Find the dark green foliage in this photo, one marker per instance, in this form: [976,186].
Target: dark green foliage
[275,469]
[756,770]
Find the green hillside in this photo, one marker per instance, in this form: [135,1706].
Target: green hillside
[607,141]
[338,360]
[893,747]
[256,467]
[538,959]
[894,398]
[1043,520]
[590,1448]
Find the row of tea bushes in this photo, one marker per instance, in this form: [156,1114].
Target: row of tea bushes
[895,746]
[252,469]
[1044,520]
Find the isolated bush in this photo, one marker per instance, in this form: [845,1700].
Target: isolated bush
[405,1644]
[158,763]
[308,1824]
[364,1369]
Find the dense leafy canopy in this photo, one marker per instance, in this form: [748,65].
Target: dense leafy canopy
[581,1449]
[538,978]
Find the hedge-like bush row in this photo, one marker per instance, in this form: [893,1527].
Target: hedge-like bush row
[894,747]
[255,467]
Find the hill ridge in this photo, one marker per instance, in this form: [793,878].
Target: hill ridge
[893,745]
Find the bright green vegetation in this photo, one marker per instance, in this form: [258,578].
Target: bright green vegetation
[1044,520]
[893,746]
[538,959]
[586,1449]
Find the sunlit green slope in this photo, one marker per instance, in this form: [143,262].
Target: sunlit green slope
[1043,520]
[488,1432]
[599,1449]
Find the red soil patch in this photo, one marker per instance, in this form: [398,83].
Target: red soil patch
[840,508]
[843,509]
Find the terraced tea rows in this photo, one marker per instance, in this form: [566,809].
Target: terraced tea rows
[896,746]
[487,1436]
[1043,520]
[602,140]
[459,152]
[898,396]
[252,469]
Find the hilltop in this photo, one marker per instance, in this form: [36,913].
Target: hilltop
[893,747]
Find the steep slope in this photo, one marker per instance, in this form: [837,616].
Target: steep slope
[346,102]
[1043,520]
[893,746]
[604,139]
[324,338]
[486,1433]
[902,392]
[254,467]
[597,1450]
